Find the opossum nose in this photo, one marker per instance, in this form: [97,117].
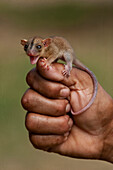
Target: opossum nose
[30,53]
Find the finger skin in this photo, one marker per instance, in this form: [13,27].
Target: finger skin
[46,87]
[34,102]
[41,124]
[79,83]
[45,142]
[77,77]
[91,135]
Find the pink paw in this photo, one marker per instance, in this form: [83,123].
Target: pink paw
[44,63]
[66,73]
[42,60]
[46,66]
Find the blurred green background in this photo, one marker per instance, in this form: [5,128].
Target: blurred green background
[88,25]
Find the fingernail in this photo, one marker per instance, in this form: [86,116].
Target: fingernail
[68,108]
[65,138]
[68,98]
[66,134]
[70,123]
[64,92]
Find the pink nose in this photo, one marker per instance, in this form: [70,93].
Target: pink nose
[30,53]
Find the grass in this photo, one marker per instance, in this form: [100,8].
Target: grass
[89,29]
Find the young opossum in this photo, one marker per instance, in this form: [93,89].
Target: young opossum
[57,48]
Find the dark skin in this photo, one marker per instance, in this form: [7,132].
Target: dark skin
[50,124]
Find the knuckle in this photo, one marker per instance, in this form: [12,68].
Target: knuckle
[29,77]
[37,141]
[33,141]
[26,100]
[29,123]
[45,142]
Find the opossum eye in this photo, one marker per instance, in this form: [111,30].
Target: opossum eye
[38,46]
[25,47]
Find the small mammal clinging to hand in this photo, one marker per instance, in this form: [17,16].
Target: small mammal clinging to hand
[52,49]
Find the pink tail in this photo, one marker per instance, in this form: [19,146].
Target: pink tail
[95,83]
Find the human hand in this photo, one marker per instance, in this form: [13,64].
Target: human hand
[87,135]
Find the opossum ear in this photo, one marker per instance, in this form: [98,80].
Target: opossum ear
[24,41]
[46,42]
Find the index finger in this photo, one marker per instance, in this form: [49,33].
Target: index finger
[47,88]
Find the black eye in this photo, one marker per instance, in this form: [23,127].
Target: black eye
[25,47]
[39,46]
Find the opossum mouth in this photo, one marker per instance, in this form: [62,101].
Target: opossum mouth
[34,59]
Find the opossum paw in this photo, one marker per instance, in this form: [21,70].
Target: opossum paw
[43,60]
[45,65]
[66,73]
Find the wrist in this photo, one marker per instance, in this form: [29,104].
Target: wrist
[107,151]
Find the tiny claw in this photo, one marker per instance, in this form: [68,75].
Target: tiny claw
[48,67]
[45,66]
[65,73]
[44,63]
[43,60]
